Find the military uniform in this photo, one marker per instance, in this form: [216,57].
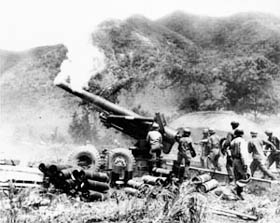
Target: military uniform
[154,138]
[185,152]
[274,156]
[214,151]
[238,147]
[204,149]
[255,146]
[230,136]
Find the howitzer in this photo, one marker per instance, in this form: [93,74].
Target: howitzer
[125,120]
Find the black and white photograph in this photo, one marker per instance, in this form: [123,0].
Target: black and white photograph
[140,111]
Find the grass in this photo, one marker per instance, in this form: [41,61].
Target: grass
[160,204]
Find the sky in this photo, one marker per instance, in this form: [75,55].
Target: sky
[29,23]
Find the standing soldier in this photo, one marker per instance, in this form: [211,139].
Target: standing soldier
[230,135]
[185,151]
[204,148]
[255,146]
[238,148]
[213,144]
[226,151]
[154,138]
[274,156]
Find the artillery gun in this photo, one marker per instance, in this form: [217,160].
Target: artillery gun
[136,160]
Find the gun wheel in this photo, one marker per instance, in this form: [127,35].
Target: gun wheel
[121,157]
[86,157]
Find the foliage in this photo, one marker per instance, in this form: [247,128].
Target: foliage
[160,205]
[80,128]
[50,58]
[201,72]
[140,50]
[248,84]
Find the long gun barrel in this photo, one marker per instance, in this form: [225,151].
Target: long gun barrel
[98,101]
[122,119]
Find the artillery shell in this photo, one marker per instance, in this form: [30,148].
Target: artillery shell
[102,177]
[162,171]
[94,185]
[201,178]
[207,186]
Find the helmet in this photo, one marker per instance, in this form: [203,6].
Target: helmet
[205,131]
[155,126]
[186,132]
[253,133]
[211,131]
[268,132]
[234,124]
[238,132]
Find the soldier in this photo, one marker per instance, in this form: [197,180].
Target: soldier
[255,146]
[274,156]
[225,149]
[154,138]
[204,148]
[230,135]
[185,150]
[213,144]
[238,148]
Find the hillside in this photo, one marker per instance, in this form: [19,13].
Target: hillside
[139,53]
[192,60]
[240,33]
[30,104]
[8,60]
[178,64]
[230,37]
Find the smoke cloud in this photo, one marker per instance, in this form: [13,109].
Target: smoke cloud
[84,61]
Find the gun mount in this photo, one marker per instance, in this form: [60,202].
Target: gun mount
[125,120]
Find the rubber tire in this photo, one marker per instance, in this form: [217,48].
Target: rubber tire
[127,154]
[90,153]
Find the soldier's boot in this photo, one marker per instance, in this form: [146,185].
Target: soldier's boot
[181,174]
[238,191]
[187,174]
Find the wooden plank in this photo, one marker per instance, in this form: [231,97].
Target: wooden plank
[20,185]
[223,177]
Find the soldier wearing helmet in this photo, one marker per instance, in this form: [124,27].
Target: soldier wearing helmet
[238,148]
[185,151]
[154,138]
[255,146]
[204,148]
[226,149]
[274,155]
[213,145]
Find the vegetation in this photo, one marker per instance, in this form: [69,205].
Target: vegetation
[159,205]
[248,84]
[180,63]
[80,129]
[211,64]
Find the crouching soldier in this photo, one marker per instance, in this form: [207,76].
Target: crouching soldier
[154,138]
[185,152]
[238,148]
[255,146]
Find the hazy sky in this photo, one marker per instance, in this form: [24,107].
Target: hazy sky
[29,23]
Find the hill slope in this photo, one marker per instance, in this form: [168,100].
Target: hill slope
[29,101]
[171,66]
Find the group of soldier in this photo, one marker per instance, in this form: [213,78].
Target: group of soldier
[233,147]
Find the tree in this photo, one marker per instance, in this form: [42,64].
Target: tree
[80,128]
[248,84]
